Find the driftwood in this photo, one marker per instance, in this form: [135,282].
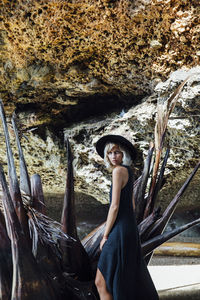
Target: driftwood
[42,258]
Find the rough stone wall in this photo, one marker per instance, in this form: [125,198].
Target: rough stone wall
[54,52]
[46,154]
[137,124]
[65,61]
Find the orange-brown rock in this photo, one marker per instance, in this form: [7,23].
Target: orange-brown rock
[57,53]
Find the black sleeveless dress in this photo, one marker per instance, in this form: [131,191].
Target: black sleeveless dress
[121,262]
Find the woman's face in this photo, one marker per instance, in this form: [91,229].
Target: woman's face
[115,156]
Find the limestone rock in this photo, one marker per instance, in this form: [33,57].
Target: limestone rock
[55,55]
[101,66]
[137,124]
[45,154]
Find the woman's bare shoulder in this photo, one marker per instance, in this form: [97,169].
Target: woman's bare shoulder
[119,171]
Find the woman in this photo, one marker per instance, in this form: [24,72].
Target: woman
[121,272]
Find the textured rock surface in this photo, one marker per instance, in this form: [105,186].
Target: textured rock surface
[101,66]
[45,154]
[137,124]
[58,54]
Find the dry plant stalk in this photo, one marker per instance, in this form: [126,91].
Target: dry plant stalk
[163,115]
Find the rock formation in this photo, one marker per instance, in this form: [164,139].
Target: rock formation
[87,69]
[137,124]
[56,54]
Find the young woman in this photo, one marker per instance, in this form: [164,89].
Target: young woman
[121,272]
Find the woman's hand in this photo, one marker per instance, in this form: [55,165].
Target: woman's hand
[104,239]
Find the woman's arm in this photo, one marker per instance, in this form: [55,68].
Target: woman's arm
[117,181]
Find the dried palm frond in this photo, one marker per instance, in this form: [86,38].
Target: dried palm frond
[164,110]
[47,230]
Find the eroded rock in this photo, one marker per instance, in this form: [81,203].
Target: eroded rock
[137,124]
[101,66]
[45,153]
[58,53]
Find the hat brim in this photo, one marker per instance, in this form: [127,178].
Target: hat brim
[116,139]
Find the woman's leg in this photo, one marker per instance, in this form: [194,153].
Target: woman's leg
[101,287]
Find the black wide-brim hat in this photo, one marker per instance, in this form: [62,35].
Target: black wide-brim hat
[116,139]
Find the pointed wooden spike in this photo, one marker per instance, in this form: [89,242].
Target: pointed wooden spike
[68,219]
[74,257]
[161,224]
[153,182]
[25,185]
[159,181]
[37,194]
[9,210]
[140,199]
[152,244]
[11,166]
[146,225]
[14,184]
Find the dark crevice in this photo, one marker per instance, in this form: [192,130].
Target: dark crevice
[90,107]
